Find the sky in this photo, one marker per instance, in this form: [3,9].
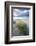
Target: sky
[20,13]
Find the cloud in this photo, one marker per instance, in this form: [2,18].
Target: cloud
[17,12]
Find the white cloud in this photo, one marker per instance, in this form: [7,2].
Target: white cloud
[17,12]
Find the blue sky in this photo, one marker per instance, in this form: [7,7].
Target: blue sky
[22,13]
